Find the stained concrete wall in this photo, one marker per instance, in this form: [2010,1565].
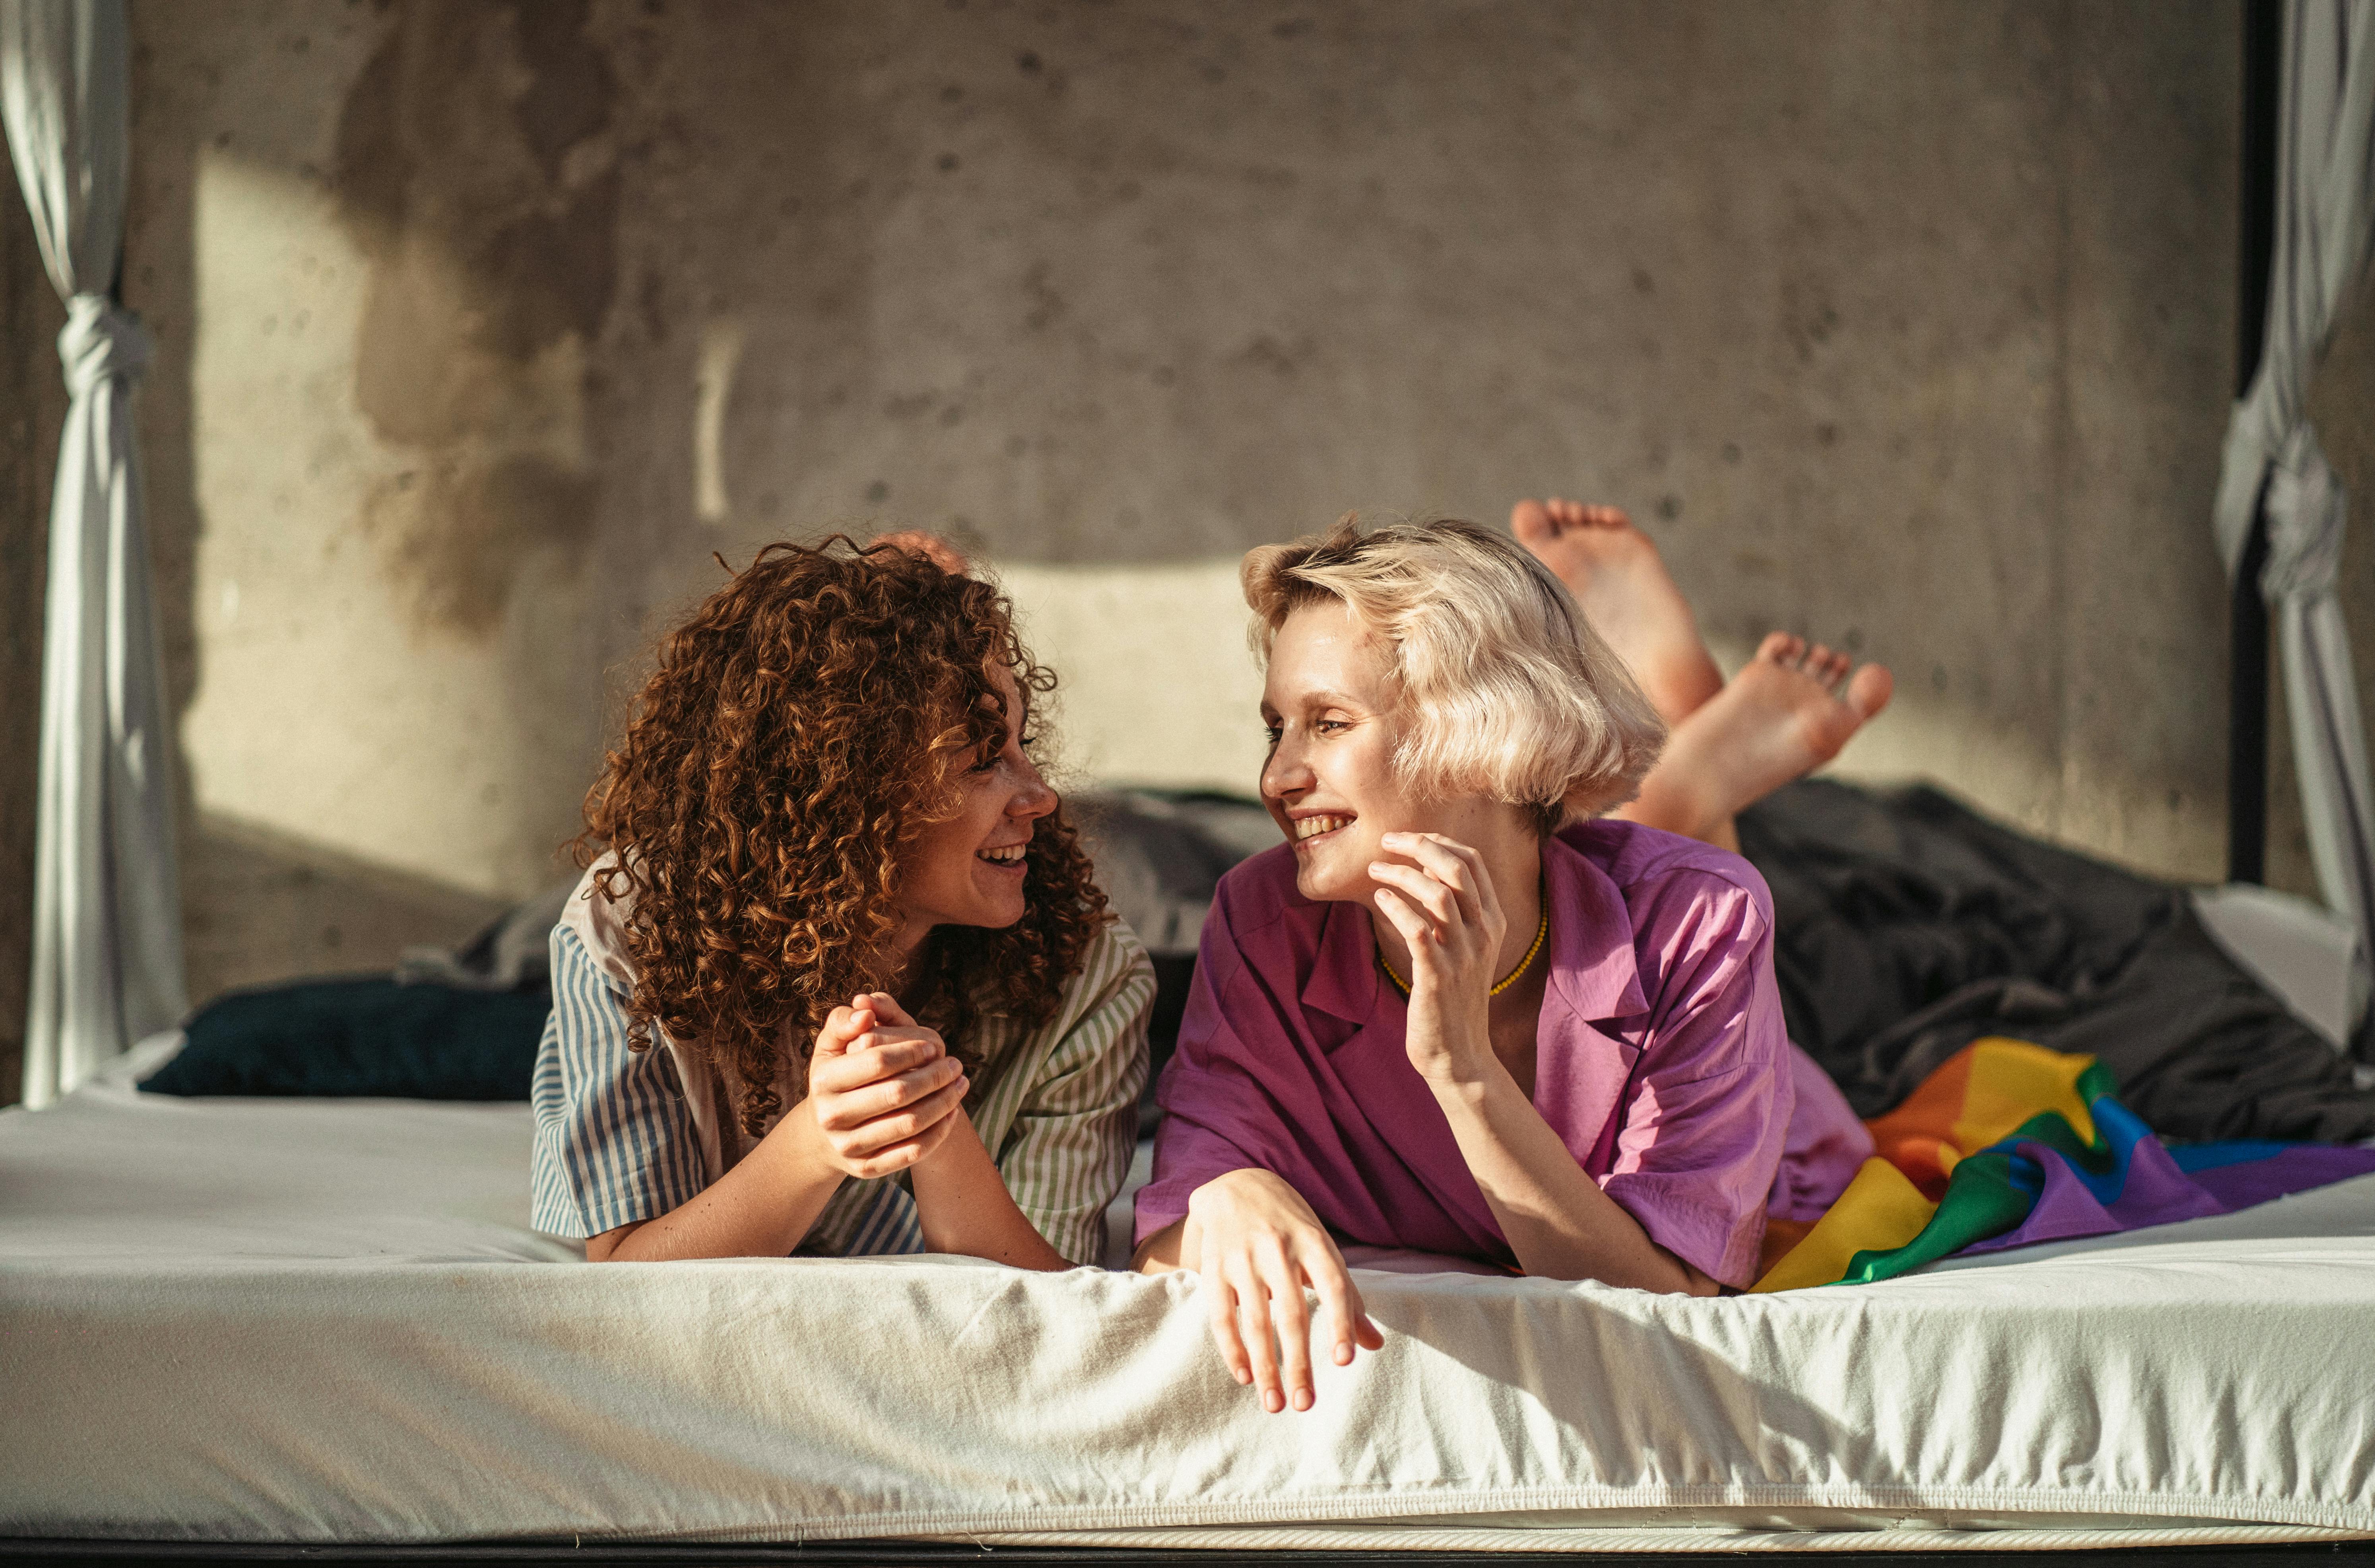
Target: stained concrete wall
[1907,327]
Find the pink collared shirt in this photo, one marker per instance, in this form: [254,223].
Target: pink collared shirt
[1660,1061]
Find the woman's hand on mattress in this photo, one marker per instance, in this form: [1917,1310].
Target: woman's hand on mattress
[1258,1246]
[882,1087]
[1442,903]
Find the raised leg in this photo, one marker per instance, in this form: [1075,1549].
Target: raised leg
[1787,712]
[1618,578]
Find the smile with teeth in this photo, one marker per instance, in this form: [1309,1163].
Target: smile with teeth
[1008,854]
[1308,828]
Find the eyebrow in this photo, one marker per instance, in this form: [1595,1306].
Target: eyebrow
[1339,698]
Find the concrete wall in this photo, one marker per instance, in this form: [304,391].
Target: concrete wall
[1905,326]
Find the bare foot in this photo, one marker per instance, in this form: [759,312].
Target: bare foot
[1787,712]
[1616,574]
[931,547]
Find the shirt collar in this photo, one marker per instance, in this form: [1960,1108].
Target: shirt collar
[1594,973]
[1593,969]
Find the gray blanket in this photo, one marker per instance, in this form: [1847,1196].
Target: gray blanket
[1908,925]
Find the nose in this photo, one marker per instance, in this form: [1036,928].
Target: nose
[1285,773]
[1032,798]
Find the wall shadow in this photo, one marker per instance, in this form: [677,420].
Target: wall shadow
[266,905]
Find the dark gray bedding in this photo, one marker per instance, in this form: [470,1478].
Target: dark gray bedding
[1908,925]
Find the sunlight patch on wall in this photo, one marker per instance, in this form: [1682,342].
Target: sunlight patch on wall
[1158,687]
[721,356]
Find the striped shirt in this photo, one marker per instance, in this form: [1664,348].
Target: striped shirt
[623,1135]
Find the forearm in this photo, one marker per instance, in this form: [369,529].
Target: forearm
[964,1207]
[762,1208]
[1164,1251]
[1556,1218]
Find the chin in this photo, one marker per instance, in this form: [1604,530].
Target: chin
[996,914]
[1335,876]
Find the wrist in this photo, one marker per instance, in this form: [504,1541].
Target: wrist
[800,1138]
[959,1145]
[1463,1058]
[1467,1082]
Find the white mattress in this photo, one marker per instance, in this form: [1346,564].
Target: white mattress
[308,1321]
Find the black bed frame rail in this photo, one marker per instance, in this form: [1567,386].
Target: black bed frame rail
[2247,709]
[871,1554]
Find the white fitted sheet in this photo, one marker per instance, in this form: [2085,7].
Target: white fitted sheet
[327,1321]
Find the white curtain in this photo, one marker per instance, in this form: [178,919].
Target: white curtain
[107,916]
[2325,214]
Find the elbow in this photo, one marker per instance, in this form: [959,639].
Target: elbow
[605,1248]
[1695,1283]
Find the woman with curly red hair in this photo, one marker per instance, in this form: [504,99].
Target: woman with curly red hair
[837,981]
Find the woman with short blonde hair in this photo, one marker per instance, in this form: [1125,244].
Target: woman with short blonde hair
[1501,689]
[1462,1013]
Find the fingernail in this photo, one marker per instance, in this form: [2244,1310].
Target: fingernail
[1272,1403]
[1303,1398]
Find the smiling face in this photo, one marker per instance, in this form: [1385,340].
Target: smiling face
[1329,783]
[967,870]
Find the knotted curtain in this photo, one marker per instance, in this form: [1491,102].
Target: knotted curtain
[2325,213]
[107,920]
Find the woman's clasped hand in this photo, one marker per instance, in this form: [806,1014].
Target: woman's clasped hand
[1443,906]
[882,1087]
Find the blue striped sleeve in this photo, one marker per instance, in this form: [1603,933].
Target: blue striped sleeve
[614,1143]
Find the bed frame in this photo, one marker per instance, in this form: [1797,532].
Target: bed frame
[2247,706]
[853,1554]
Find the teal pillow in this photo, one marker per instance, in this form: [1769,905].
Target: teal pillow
[360,1037]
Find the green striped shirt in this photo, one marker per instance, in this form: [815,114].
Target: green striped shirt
[623,1135]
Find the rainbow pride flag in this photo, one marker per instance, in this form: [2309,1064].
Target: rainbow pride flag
[2009,1143]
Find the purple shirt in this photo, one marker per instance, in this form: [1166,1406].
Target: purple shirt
[1660,1061]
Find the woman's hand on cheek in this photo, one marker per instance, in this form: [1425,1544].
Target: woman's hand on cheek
[882,1087]
[1442,903]
[1258,1245]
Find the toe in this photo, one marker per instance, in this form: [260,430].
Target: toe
[1530,521]
[1781,648]
[1868,692]
[1610,516]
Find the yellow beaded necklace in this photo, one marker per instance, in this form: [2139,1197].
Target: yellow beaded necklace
[1540,932]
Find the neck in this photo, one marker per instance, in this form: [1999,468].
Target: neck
[899,958]
[1514,861]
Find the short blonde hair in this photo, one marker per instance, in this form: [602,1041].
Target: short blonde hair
[1504,689]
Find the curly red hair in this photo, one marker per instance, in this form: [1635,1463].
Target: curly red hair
[801,730]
